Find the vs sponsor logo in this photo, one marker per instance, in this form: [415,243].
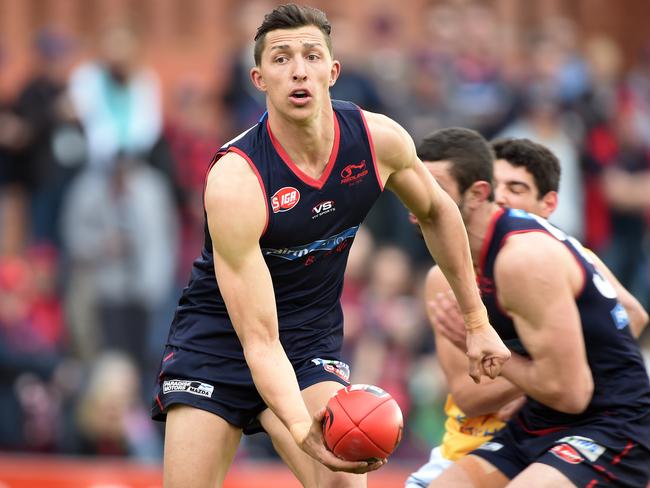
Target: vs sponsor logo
[285,199]
[322,208]
[353,173]
[191,386]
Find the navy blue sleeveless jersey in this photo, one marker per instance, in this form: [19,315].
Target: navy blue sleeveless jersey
[621,386]
[310,227]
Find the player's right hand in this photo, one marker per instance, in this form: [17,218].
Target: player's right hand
[310,439]
[486,352]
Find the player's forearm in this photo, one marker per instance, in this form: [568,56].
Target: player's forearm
[276,382]
[447,241]
[485,398]
[567,391]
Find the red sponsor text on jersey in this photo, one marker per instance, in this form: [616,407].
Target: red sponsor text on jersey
[285,199]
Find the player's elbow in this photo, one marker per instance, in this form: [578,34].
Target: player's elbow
[575,397]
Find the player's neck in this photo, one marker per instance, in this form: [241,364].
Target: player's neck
[478,227]
[308,143]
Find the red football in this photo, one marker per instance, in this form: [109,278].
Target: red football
[362,422]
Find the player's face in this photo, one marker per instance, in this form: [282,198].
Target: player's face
[296,71]
[515,188]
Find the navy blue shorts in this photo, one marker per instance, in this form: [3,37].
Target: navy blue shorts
[590,456]
[224,386]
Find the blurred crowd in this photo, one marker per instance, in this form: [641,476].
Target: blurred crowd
[101,209]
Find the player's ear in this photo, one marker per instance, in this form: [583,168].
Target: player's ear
[335,72]
[257,79]
[549,202]
[478,193]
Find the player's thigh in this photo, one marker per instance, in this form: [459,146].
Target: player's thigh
[539,475]
[199,448]
[471,472]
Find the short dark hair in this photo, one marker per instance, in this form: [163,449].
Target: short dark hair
[537,159]
[468,152]
[291,16]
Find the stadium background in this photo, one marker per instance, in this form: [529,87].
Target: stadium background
[96,236]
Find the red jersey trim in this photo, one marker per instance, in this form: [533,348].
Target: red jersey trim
[305,178]
[241,153]
[372,150]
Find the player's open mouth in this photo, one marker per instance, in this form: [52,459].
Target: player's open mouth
[300,97]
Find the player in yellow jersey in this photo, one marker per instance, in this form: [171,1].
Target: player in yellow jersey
[527,177]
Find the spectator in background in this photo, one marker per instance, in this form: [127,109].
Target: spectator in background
[55,149]
[14,134]
[245,104]
[118,99]
[120,233]
[110,417]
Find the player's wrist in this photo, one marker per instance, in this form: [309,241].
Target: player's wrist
[299,431]
[476,319]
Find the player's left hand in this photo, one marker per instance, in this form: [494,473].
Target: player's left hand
[486,352]
[312,443]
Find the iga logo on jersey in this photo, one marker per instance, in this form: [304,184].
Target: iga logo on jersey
[322,208]
[285,199]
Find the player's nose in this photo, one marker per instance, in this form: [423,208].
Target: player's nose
[299,71]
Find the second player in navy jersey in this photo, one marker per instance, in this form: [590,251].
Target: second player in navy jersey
[256,338]
[586,419]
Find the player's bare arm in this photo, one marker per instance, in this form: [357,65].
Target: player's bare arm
[247,289]
[638,315]
[473,399]
[444,234]
[537,280]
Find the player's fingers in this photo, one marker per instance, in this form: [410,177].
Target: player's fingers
[492,367]
[319,415]
[474,369]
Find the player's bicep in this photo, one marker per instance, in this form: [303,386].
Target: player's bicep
[243,277]
[403,173]
[535,288]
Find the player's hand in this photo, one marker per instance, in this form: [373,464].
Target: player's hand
[486,352]
[448,319]
[508,411]
[310,439]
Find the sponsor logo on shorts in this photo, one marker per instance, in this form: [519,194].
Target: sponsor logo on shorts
[490,446]
[566,453]
[339,368]
[191,386]
[285,199]
[587,447]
